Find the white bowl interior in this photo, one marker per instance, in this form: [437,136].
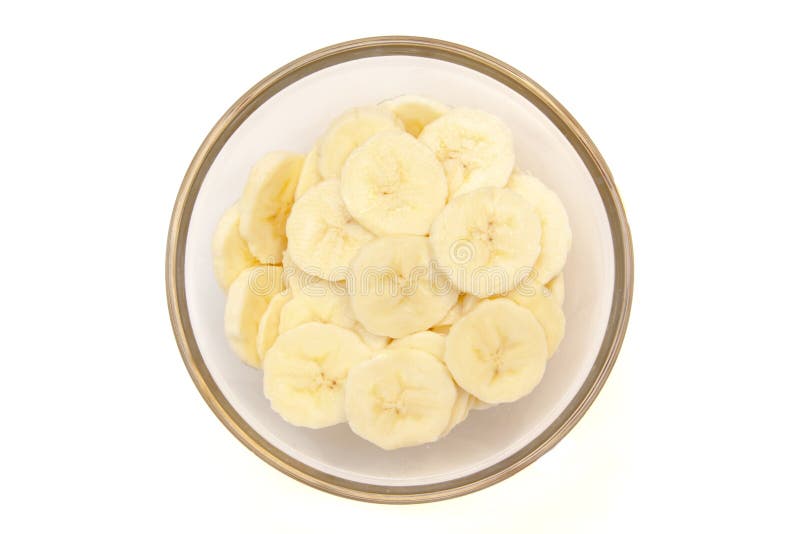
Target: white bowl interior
[292,120]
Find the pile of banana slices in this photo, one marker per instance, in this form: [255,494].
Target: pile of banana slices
[401,274]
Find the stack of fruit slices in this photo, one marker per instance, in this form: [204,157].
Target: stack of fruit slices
[401,274]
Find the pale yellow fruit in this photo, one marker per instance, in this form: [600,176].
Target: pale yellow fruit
[399,398]
[391,288]
[556,233]
[497,352]
[230,251]
[306,370]
[486,240]
[268,326]
[393,184]
[266,202]
[309,173]
[426,341]
[248,298]
[557,289]
[323,236]
[475,148]
[348,132]
[415,112]
[537,299]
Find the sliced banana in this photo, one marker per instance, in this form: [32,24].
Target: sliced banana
[266,202]
[556,232]
[497,352]
[294,277]
[326,302]
[392,288]
[538,300]
[373,341]
[305,373]
[475,148]
[477,404]
[347,132]
[426,341]
[309,173]
[323,236]
[460,410]
[399,398]
[393,184]
[486,240]
[320,302]
[230,251]
[557,289]
[415,112]
[248,298]
[268,325]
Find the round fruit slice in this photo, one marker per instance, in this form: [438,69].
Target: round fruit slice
[318,302]
[415,112]
[557,289]
[475,148]
[399,398]
[248,298]
[347,132]
[497,352]
[266,202]
[460,410]
[486,241]
[309,173]
[326,302]
[392,288]
[393,184]
[538,300]
[323,236]
[230,251]
[426,341]
[305,373]
[268,325]
[556,233]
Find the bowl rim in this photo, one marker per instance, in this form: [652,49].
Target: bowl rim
[501,72]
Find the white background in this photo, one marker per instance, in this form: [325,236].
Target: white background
[695,107]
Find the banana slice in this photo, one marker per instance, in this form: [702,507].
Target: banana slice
[248,298]
[415,112]
[477,404]
[556,233]
[294,277]
[347,132]
[399,398]
[426,341]
[323,237]
[537,299]
[266,202]
[460,410]
[268,325]
[433,344]
[497,352]
[305,373]
[393,184]
[373,341]
[230,251]
[309,173]
[318,302]
[557,289]
[326,302]
[475,148]
[392,287]
[468,303]
[486,240]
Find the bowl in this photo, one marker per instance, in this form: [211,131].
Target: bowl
[287,110]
